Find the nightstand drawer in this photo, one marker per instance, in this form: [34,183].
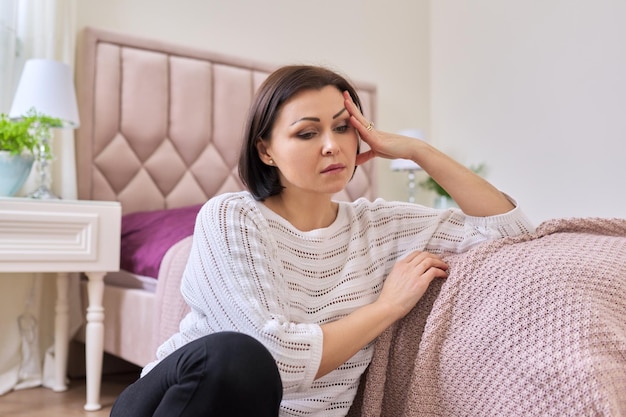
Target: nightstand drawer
[59,235]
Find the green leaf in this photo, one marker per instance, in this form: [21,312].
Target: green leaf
[24,135]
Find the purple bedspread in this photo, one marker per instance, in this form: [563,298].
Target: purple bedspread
[147,235]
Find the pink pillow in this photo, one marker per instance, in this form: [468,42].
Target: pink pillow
[147,235]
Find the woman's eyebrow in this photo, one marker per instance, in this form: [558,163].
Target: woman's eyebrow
[339,113]
[313,119]
[316,119]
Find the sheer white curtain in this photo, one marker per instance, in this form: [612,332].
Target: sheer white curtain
[8,22]
[34,29]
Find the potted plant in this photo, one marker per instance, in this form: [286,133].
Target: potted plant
[443,199]
[20,143]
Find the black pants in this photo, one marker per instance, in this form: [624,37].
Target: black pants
[222,374]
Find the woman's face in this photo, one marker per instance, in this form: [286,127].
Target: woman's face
[312,144]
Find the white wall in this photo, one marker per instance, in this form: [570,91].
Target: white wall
[536,90]
[381,42]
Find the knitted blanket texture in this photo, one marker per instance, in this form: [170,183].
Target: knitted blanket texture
[532,325]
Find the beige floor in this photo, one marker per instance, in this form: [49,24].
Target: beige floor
[43,402]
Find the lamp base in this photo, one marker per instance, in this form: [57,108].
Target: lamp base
[43,193]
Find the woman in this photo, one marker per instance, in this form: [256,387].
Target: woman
[298,284]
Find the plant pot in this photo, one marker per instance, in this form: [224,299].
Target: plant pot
[14,170]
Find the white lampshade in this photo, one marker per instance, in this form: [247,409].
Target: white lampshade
[407,164]
[48,87]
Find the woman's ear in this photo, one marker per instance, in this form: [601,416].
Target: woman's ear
[262,150]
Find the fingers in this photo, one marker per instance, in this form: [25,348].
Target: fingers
[423,262]
[358,120]
[410,278]
[418,255]
[381,144]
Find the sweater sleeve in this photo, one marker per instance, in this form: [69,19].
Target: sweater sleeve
[458,232]
[233,282]
[408,227]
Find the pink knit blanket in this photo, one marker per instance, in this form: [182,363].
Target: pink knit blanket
[532,325]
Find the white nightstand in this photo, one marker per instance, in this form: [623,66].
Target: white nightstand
[64,236]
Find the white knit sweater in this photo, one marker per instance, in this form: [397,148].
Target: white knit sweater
[251,271]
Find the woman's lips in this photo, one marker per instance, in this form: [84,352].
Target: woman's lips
[333,168]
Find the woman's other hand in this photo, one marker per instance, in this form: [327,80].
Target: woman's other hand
[409,279]
[403,287]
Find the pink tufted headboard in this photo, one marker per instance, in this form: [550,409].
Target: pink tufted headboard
[161,124]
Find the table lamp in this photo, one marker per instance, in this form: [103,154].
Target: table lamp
[407,165]
[47,87]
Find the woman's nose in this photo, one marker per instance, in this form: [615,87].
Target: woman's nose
[330,145]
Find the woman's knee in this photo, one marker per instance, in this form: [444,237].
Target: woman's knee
[240,377]
[240,359]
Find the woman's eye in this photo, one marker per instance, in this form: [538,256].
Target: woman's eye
[342,128]
[306,135]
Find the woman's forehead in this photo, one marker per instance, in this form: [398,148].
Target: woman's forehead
[325,103]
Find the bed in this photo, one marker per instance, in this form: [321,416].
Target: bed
[531,325]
